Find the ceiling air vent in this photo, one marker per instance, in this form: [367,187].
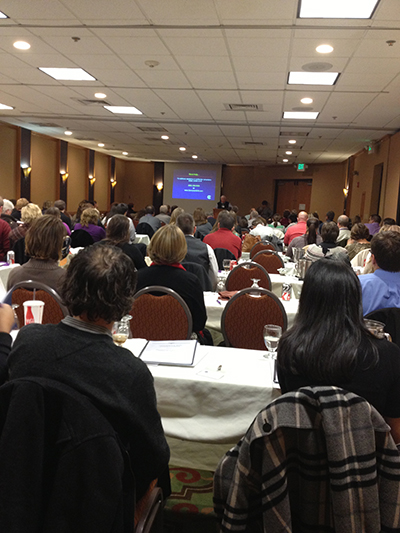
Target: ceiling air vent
[86,101]
[46,124]
[84,139]
[243,107]
[151,128]
[293,134]
[254,143]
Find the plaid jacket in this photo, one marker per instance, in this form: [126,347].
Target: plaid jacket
[318,459]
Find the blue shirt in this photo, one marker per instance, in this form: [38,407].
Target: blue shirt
[380,290]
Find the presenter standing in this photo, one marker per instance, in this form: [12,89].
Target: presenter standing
[224,204]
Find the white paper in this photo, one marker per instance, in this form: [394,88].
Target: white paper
[177,353]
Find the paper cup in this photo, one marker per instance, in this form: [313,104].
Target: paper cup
[33,312]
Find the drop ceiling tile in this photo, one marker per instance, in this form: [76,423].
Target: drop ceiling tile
[206,63]
[260,64]
[103,10]
[262,80]
[139,42]
[211,80]
[196,46]
[236,131]
[180,12]
[185,104]
[87,45]
[338,64]
[36,11]
[137,62]
[259,47]
[117,77]
[163,79]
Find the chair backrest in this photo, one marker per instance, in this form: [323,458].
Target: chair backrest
[221,254]
[319,454]
[159,313]
[242,275]
[270,260]
[151,519]
[54,309]
[391,318]
[261,246]
[144,229]
[200,272]
[19,250]
[245,316]
[81,238]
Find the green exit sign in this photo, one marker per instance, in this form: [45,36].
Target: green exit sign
[301,167]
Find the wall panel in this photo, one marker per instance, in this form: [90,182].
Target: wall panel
[78,176]
[44,175]
[9,168]
[102,183]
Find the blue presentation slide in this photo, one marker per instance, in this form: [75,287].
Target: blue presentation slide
[194,184]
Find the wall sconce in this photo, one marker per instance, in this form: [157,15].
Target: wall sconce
[346,191]
[26,171]
[64,176]
[160,187]
[113,183]
[92,179]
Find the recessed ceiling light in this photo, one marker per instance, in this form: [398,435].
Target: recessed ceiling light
[305,115]
[21,45]
[324,49]
[340,9]
[288,152]
[100,95]
[123,110]
[3,106]
[292,141]
[100,145]
[312,78]
[3,15]
[124,153]
[285,160]
[68,132]
[165,137]
[68,74]
[182,149]
[306,100]
[194,156]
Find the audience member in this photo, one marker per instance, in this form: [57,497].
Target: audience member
[122,209]
[55,212]
[310,237]
[296,230]
[43,244]
[163,215]
[374,224]
[167,249]
[6,214]
[29,213]
[197,250]
[285,219]
[264,210]
[84,204]
[20,203]
[344,232]
[5,231]
[203,227]
[117,234]
[175,214]
[260,229]
[60,204]
[330,345]
[381,289]
[150,219]
[358,240]
[89,221]
[328,246]
[80,353]
[224,203]
[388,221]
[223,237]
[277,227]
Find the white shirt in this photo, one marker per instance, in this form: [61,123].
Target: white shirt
[262,231]
[213,270]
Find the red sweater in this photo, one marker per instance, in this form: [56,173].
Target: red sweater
[224,238]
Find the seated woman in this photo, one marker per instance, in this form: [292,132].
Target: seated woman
[43,244]
[117,234]
[328,246]
[330,345]
[167,249]
[203,227]
[358,240]
[310,237]
[89,220]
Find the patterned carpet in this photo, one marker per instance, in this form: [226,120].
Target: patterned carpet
[189,509]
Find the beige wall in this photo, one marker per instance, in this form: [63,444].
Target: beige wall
[9,167]
[134,183]
[78,176]
[247,187]
[44,175]
[102,183]
[390,189]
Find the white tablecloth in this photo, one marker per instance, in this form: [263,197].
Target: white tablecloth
[215,307]
[203,417]
[277,280]
[4,273]
[145,239]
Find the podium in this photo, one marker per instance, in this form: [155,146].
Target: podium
[216,212]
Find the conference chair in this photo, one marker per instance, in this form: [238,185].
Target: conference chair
[391,318]
[159,313]
[81,238]
[200,272]
[316,459]
[261,246]
[221,254]
[54,309]
[245,316]
[144,229]
[270,260]
[241,277]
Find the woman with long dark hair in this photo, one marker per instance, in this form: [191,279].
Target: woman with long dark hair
[117,234]
[310,237]
[329,343]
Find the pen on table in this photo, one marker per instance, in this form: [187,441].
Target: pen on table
[218,302]
[219,368]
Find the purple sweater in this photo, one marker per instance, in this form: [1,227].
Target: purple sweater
[97,232]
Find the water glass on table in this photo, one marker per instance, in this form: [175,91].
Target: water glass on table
[272,334]
[120,330]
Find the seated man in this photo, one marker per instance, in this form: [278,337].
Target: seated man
[223,237]
[344,232]
[150,219]
[382,288]
[80,352]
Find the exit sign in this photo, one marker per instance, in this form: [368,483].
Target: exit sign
[301,167]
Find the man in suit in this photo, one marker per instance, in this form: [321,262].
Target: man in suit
[150,219]
[224,204]
[197,250]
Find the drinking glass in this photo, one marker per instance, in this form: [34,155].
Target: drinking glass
[272,334]
[120,330]
[226,263]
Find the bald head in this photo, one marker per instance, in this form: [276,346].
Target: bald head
[343,221]
[302,216]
